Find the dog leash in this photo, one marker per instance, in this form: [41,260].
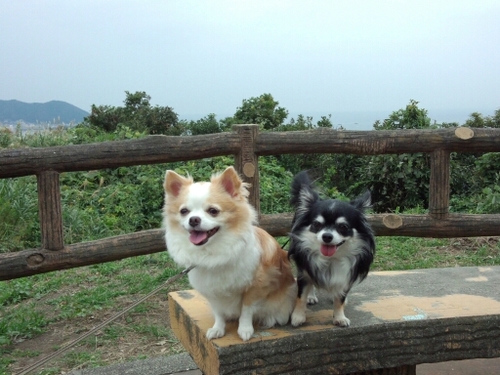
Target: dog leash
[286,243]
[105,323]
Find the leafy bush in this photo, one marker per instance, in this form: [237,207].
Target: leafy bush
[138,115]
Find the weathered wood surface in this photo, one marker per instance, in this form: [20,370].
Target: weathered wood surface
[397,319]
[149,150]
[162,149]
[34,261]
[456,225]
[247,162]
[439,185]
[376,142]
[49,210]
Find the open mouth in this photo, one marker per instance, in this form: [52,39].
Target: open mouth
[329,250]
[199,238]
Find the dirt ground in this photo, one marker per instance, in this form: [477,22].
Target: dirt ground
[97,349]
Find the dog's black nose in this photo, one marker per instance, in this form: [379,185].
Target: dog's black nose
[327,237]
[194,221]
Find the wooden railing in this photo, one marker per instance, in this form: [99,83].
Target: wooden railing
[247,144]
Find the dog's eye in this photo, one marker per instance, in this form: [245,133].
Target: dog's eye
[213,211]
[184,211]
[316,226]
[343,228]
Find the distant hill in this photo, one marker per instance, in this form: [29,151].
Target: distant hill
[55,111]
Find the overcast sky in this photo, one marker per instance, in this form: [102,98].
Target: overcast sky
[206,56]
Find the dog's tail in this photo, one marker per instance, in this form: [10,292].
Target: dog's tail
[302,191]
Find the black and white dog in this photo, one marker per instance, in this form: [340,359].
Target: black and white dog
[332,244]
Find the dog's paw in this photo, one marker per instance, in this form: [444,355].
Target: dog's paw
[268,322]
[215,333]
[298,318]
[312,299]
[342,321]
[245,332]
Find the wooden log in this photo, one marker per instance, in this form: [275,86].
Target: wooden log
[375,142]
[31,262]
[34,261]
[456,225]
[439,185]
[163,149]
[433,315]
[246,161]
[149,150]
[49,210]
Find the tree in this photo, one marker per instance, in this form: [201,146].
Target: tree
[205,125]
[137,114]
[262,110]
[412,117]
[477,120]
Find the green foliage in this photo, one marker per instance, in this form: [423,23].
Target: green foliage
[205,125]
[412,117]
[138,115]
[19,227]
[262,110]
[275,182]
[477,120]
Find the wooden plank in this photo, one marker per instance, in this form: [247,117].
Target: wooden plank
[49,210]
[398,320]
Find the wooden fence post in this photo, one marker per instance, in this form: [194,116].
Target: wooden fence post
[439,186]
[246,161]
[50,212]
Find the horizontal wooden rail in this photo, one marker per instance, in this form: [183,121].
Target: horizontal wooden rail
[378,142]
[456,225]
[164,149]
[30,262]
[150,150]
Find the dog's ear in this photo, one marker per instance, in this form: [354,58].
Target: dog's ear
[230,182]
[175,182]
[363,201]
[303,194]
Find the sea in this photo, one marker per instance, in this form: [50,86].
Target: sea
[364,120]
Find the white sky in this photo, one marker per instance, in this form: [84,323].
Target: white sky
[206,56]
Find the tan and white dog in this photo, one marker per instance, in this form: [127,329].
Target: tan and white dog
[239,268]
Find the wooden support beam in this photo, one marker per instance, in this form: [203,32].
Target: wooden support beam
[49,210]
[439,186]
[246,161]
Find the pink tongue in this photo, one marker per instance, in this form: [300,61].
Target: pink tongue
[328,250]
[197,237]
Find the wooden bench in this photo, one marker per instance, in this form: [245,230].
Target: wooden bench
[398,319]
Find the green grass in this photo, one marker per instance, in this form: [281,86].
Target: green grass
[403,253]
